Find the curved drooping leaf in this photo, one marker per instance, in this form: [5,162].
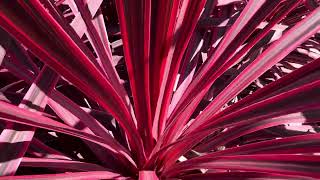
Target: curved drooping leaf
[56,56]
[14,114]
[35,100]
[307,116]
[75,176]
[297,165]
[278,50]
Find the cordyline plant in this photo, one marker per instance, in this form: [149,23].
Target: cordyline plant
[159,89]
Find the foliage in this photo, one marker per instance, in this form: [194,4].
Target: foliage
[147,89]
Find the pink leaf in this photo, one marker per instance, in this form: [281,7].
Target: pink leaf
[69,176]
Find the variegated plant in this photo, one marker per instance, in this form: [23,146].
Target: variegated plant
[159,89]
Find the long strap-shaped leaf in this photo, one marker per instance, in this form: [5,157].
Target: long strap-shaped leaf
[162,33]
[135,32]
[254,13]
[76,117]
[307,116]
[97,129]
[12,113]
[35,100]
[298,101]
[69,61]
[297,78]
[185,25]
[292,99]
[112,75]
[60,164]
[70,176]
[289,145]
[71,114]
[97,35]
[277,51]
[190,59]
[300,165]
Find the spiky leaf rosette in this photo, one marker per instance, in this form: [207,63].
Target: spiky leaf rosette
[147,89]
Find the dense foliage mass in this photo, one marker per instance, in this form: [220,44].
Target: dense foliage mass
[159,89]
